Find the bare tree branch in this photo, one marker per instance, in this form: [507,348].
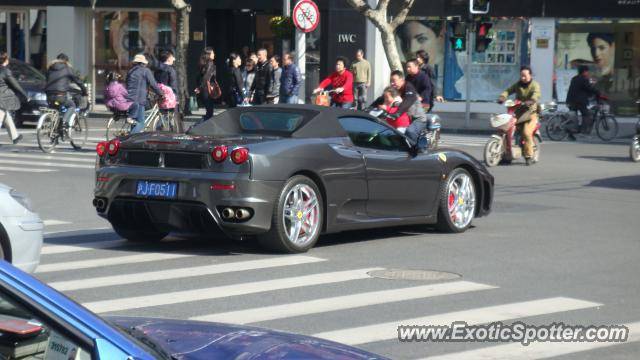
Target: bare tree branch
[382,6]
[179,4]
[402,14]
[359,5]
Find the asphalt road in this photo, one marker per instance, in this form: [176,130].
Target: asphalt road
[561,245]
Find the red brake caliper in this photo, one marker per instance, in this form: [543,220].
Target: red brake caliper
[452,199]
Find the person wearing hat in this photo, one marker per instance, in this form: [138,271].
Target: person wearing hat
[139,79]
[59,79]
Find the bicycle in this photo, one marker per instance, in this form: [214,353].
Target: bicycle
[50,130]
[606,125]
[155,119]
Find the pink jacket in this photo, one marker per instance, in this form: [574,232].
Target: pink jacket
[115,96]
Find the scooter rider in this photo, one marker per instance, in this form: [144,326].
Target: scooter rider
[410,105]
[527,91]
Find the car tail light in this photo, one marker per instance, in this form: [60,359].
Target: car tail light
[219,153]
[101,148]
[239,155]
[113,146]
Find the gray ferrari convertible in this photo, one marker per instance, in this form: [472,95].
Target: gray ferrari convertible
[284,174]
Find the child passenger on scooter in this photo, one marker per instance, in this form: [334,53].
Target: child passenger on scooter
[391,103]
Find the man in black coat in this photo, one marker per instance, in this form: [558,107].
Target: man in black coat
[578,96]
[420,80]
[59,79]
[262,81]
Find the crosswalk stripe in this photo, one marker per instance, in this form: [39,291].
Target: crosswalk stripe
[50,164]
[537,350]
[61,249]
[342,302]
[44,157]
[52,222]
[63,148]
[218,292]
[124,279]
[389,330]
[22,169]
[122,260]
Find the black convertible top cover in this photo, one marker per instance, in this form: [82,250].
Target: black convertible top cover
[317,121]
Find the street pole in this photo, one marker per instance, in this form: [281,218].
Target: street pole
[301,50]
[286,11]
[93,52]
[467,74]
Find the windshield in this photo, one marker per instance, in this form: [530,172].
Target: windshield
[255,121]
[25,72]
[270,121]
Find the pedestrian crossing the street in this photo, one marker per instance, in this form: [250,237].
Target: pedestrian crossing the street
[201,289]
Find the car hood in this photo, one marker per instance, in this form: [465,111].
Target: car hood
[204,340]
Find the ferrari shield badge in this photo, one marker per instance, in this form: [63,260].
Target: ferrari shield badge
[442,157]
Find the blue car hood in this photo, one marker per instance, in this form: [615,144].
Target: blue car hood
[204,340]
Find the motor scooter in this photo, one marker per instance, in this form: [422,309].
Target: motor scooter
[507,144]
[634,149]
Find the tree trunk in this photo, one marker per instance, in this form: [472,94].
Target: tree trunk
[390,48]
[182,44]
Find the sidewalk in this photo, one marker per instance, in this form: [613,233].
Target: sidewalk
[452,122]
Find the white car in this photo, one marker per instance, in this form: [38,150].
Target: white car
[20,230]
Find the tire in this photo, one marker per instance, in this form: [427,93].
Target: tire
[457,202]
[554,129]
[493,152]
[607,127]
[299,204]
[117,128]
[634,149]
[46,134]
[5,245]
[140,236]
[79,132]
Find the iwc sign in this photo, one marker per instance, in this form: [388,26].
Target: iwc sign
[347,38]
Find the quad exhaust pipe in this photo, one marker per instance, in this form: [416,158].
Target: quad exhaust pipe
[238,214]
[100,204]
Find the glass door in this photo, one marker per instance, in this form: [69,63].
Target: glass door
[13,37]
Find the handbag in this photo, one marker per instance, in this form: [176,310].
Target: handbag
[213,89]
[193,103]
[322,99]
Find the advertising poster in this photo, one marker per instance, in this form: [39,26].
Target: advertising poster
[596,50]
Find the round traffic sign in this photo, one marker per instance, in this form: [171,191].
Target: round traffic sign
[306,16]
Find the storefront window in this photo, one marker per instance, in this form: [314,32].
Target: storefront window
[22,42]
[120,35]
[610,49]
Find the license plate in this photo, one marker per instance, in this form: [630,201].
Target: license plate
[161,189]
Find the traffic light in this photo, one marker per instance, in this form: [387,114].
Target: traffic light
[482,36]
[458,36]
[479,6]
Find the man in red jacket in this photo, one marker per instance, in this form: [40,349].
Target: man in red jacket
[342,83]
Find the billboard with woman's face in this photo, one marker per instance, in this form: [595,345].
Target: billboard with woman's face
[428,35]
[596,50]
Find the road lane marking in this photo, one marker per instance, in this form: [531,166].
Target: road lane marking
[135,278]
[43,157]
[389,330]
[33,170]
[51,222]
[218,292]
[317,306]
[49,249]
[538,350]
[38,163]
[122,260]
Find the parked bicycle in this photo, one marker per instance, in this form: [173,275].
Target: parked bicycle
[559,124]
[155,119]
[50,130]
[634,149]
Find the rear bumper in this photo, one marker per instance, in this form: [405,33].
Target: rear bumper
[197,208]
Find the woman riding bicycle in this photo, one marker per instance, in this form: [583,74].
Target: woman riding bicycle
[342,83]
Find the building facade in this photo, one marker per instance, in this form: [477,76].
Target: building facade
[553,37]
